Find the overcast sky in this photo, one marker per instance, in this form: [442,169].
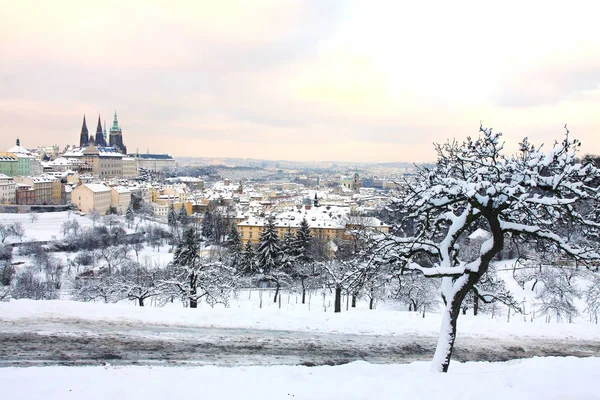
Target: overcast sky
[347,80]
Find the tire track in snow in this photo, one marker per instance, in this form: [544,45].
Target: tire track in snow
[43,342]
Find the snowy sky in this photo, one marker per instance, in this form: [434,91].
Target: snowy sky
[343,80]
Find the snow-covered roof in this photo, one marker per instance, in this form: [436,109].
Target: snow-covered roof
[97,187]
[18,150]
[121,189]
[102,152]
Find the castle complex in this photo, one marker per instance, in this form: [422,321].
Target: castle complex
[115,139]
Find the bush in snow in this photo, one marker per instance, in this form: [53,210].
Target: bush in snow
[28,284]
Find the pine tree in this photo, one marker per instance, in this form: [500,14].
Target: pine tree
[248,266]
[172,218]
[234,241]
[130,214]
[186,259]
[302,244]
[269,248]
[289,253]
[182,217]
[304,259]
[207,223]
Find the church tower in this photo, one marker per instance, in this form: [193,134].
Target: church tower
[100,135]
[116,136]
[83,138]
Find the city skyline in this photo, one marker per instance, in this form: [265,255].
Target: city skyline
[300,81]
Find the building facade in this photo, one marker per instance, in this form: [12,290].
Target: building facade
[120,197]
[89,197]
[7,190]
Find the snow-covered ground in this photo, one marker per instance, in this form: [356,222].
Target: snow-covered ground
[47,226]
[537,378]
[293,317]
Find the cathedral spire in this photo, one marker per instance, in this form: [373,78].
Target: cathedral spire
[99,135]
[83,138]
[115,125]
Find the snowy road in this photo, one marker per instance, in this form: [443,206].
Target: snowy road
[39,342]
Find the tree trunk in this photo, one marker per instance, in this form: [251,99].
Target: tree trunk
[303,292]
[193,291]
[276,293]
[338,299]
[371,303]
[354,300]
[475,305]
[445,345]
[141,302]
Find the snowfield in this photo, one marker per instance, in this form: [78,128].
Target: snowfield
[47,226]
[537,378]
[294,317]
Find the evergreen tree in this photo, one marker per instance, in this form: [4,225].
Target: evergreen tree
[289,253]
[196,275]
[172,218]
[183,217]
[248,265]
[234,241]
[130,214]
[186,260]
[207,224]
[302,245]
[269,249]
[304,258]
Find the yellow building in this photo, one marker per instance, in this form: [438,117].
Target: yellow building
[120,197]
[327,223]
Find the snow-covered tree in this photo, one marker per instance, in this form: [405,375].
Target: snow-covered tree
[196,274]
[342,276]
[130,214]
[236,249]
[592,299]
[269,249]
[419,293]
[139,282]
[248,265]
[18,230]
[546,197]
[5,232]
[172,219]
[183,217]
[557,293]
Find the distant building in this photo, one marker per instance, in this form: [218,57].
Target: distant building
[26,162]
[116,136]
[154,162]
[47,189]
[95,156]
[24,194]
[90,197]
[120,197]
[7,190]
